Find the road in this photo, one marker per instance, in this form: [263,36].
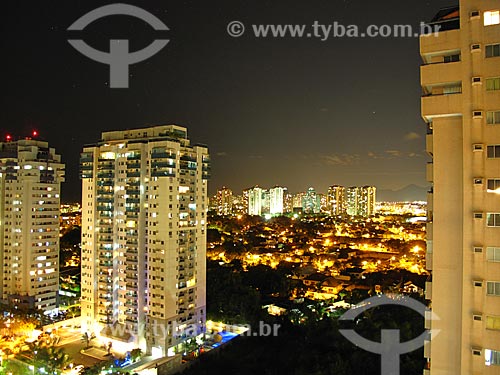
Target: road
[71,341]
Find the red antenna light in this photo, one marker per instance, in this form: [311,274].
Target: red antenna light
[8,137]
[35,133]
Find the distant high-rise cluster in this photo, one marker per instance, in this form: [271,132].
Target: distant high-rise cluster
[30,181]
[353,201]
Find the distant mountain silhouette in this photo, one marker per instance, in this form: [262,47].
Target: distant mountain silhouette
[408,193]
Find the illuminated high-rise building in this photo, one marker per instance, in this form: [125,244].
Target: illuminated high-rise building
[351,200]
[323,202]
[360,201]
[30,181]
[224,201]
[238,205]
[244,202]
[255,201]
[266,202]
[276,200]
[311,203]
[366,200]
[144,202]
[336,200]
[460,79]
[297,201]
[287,201]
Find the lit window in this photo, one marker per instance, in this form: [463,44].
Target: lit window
[491,357]
[493,322]
[108,155]
[491,17]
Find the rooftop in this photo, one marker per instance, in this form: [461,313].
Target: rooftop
[447,19]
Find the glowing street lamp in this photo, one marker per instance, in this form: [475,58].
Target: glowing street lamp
[416,249]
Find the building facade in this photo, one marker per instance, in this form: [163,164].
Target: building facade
[265,202]
[460,80]
[287,201]
[144,202]
[255,201]
[336,204]
[367,200]
[311,202]
[360,201]
[276,200]
[224,201]
[298,201]
[30,182]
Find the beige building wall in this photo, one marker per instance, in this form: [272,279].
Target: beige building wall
[455,105]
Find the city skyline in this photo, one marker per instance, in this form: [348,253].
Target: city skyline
[321,117]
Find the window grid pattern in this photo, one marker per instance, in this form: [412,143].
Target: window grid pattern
[493,50]
[493,84]
[493,254]
[493,117]
[493,151]
[493,322]
[493,288]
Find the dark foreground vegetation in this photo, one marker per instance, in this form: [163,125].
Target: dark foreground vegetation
[308,340]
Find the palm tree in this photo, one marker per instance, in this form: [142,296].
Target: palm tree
[52,359]
[86,338]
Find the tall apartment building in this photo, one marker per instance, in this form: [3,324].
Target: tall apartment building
[360,201]
[287,201]
[255,201]
[366,200]
[265,202]
[238,206]
[144,202]
[244,200]
[30,182]
[224,201]
[311,202]
[276,200]
[336,200]
[460,80]
[297,201]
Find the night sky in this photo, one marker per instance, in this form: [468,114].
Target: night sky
[288,111]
